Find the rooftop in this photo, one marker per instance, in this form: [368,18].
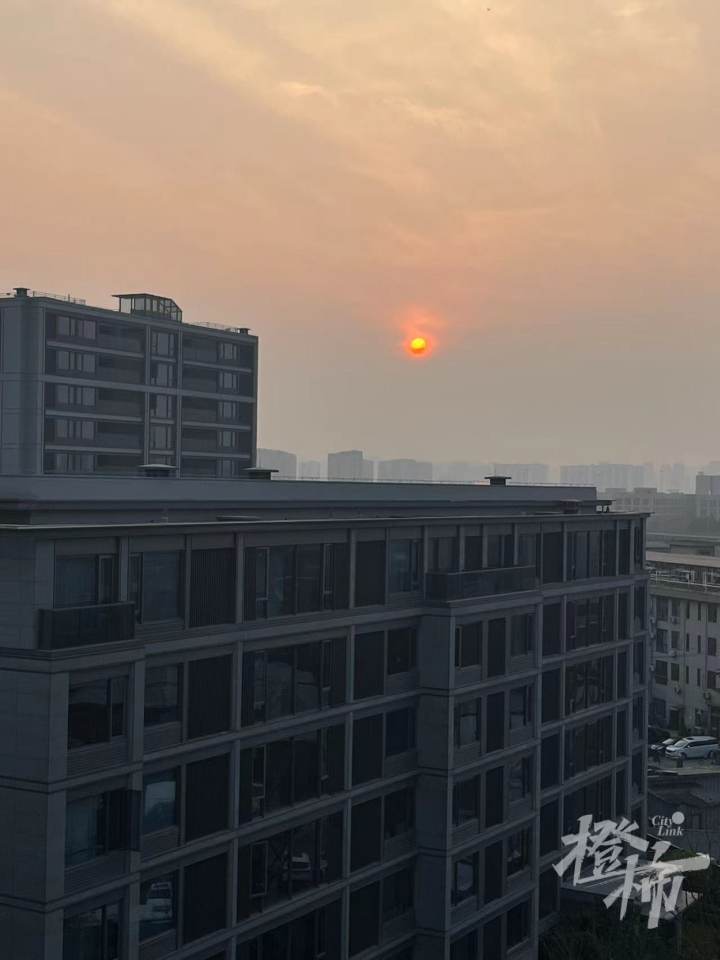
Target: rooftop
[682,560]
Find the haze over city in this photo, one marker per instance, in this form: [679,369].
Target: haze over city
[536,181]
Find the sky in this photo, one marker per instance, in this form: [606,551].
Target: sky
[531,184]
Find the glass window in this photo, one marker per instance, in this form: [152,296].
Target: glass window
[163,694]
[549,761]
[369,664]
[84,581]
[399,731]
[399,812]
[162,374]
[496,648]
[550,707]
[552,619]
[520,707]
[468,645]
[522,634]
[405,565]
[467,722]
[466,801]
[156,586]
[518,851]
[519,779]
[163,344]
[495,723]
[365,837]
[493,871]
[364,918]
[209,685]
[401,650]
[206,797]
[494,796]
[464,879]
[549,827]
[95,825]
[97,711]
[162,406]
[204,898]
[160,801]
[158,906]
[369,572]
[367,749]
[92,934]
[397,897]
[518,924]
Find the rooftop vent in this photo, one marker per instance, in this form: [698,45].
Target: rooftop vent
[259,473]
[157,470]
[497,480]
[21,291]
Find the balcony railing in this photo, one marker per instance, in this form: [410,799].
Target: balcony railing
[466,584]
[85,626]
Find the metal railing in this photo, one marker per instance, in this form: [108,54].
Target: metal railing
[464,584]
[85,626]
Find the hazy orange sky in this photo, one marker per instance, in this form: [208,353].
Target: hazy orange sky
[540,179]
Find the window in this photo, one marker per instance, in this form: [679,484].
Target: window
[209,685]
[465,947]
[287,680]
[549,761]
[405,565]
[314,936]
[96,825]
[158,906]
[65,395]
[369,664]
[493,871]
[500,547]
[397,895]
[97,711]
[85,581]
[552,619]
[518,851]
[399,813]
[288,864]
[162,407]
[465,879]
[552,552]
[466,801]
[365,835]
[549,827]
[712,646]
[442,554]
[473,552]
[492,939]
[468,645]
[367,760]
[518,924]
[163,344]
[267,782]
[62,326]
[675,672]
[155,586]
[204,899]
[496,648]
[206,797]
[522,634]
[92,934]
[494,796]
[212,587]
[401,650]
[399,731]
[364,918]
[369,572]
[467,722]
[520,779]
[69,361]
[163,694]
[162,374]
[550,709]
[495,722]
[521,713]
[283,580]
[160,801]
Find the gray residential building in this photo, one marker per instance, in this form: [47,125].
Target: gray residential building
[524,472]
[349,465]
[86,390]
[282,462]
[271,720]
[684,630]
[404,470]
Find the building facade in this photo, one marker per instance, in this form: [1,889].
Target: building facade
[284,463]
[685,667]
[412,470]
[349,465]
[84,390]
[276,721]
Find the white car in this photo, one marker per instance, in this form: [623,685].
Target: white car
[693,748]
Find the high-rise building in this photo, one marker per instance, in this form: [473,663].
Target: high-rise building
[412,470]
[523,472]
[271,719]
[349,465]
[604,476]
[460,471]
[311,469]
[282,462]
[86,390]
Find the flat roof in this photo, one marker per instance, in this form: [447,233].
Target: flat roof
[682,559]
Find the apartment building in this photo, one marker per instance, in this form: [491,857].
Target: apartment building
[684,631]
[413,470]
[349,465]
[273,720]
[283,463]
[86,390]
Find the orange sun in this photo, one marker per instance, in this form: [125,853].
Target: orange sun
[418,346]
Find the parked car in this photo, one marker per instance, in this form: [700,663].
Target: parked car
[693,748]
[658,749]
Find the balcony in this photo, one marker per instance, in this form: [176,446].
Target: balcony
[85,626]
[468,584]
